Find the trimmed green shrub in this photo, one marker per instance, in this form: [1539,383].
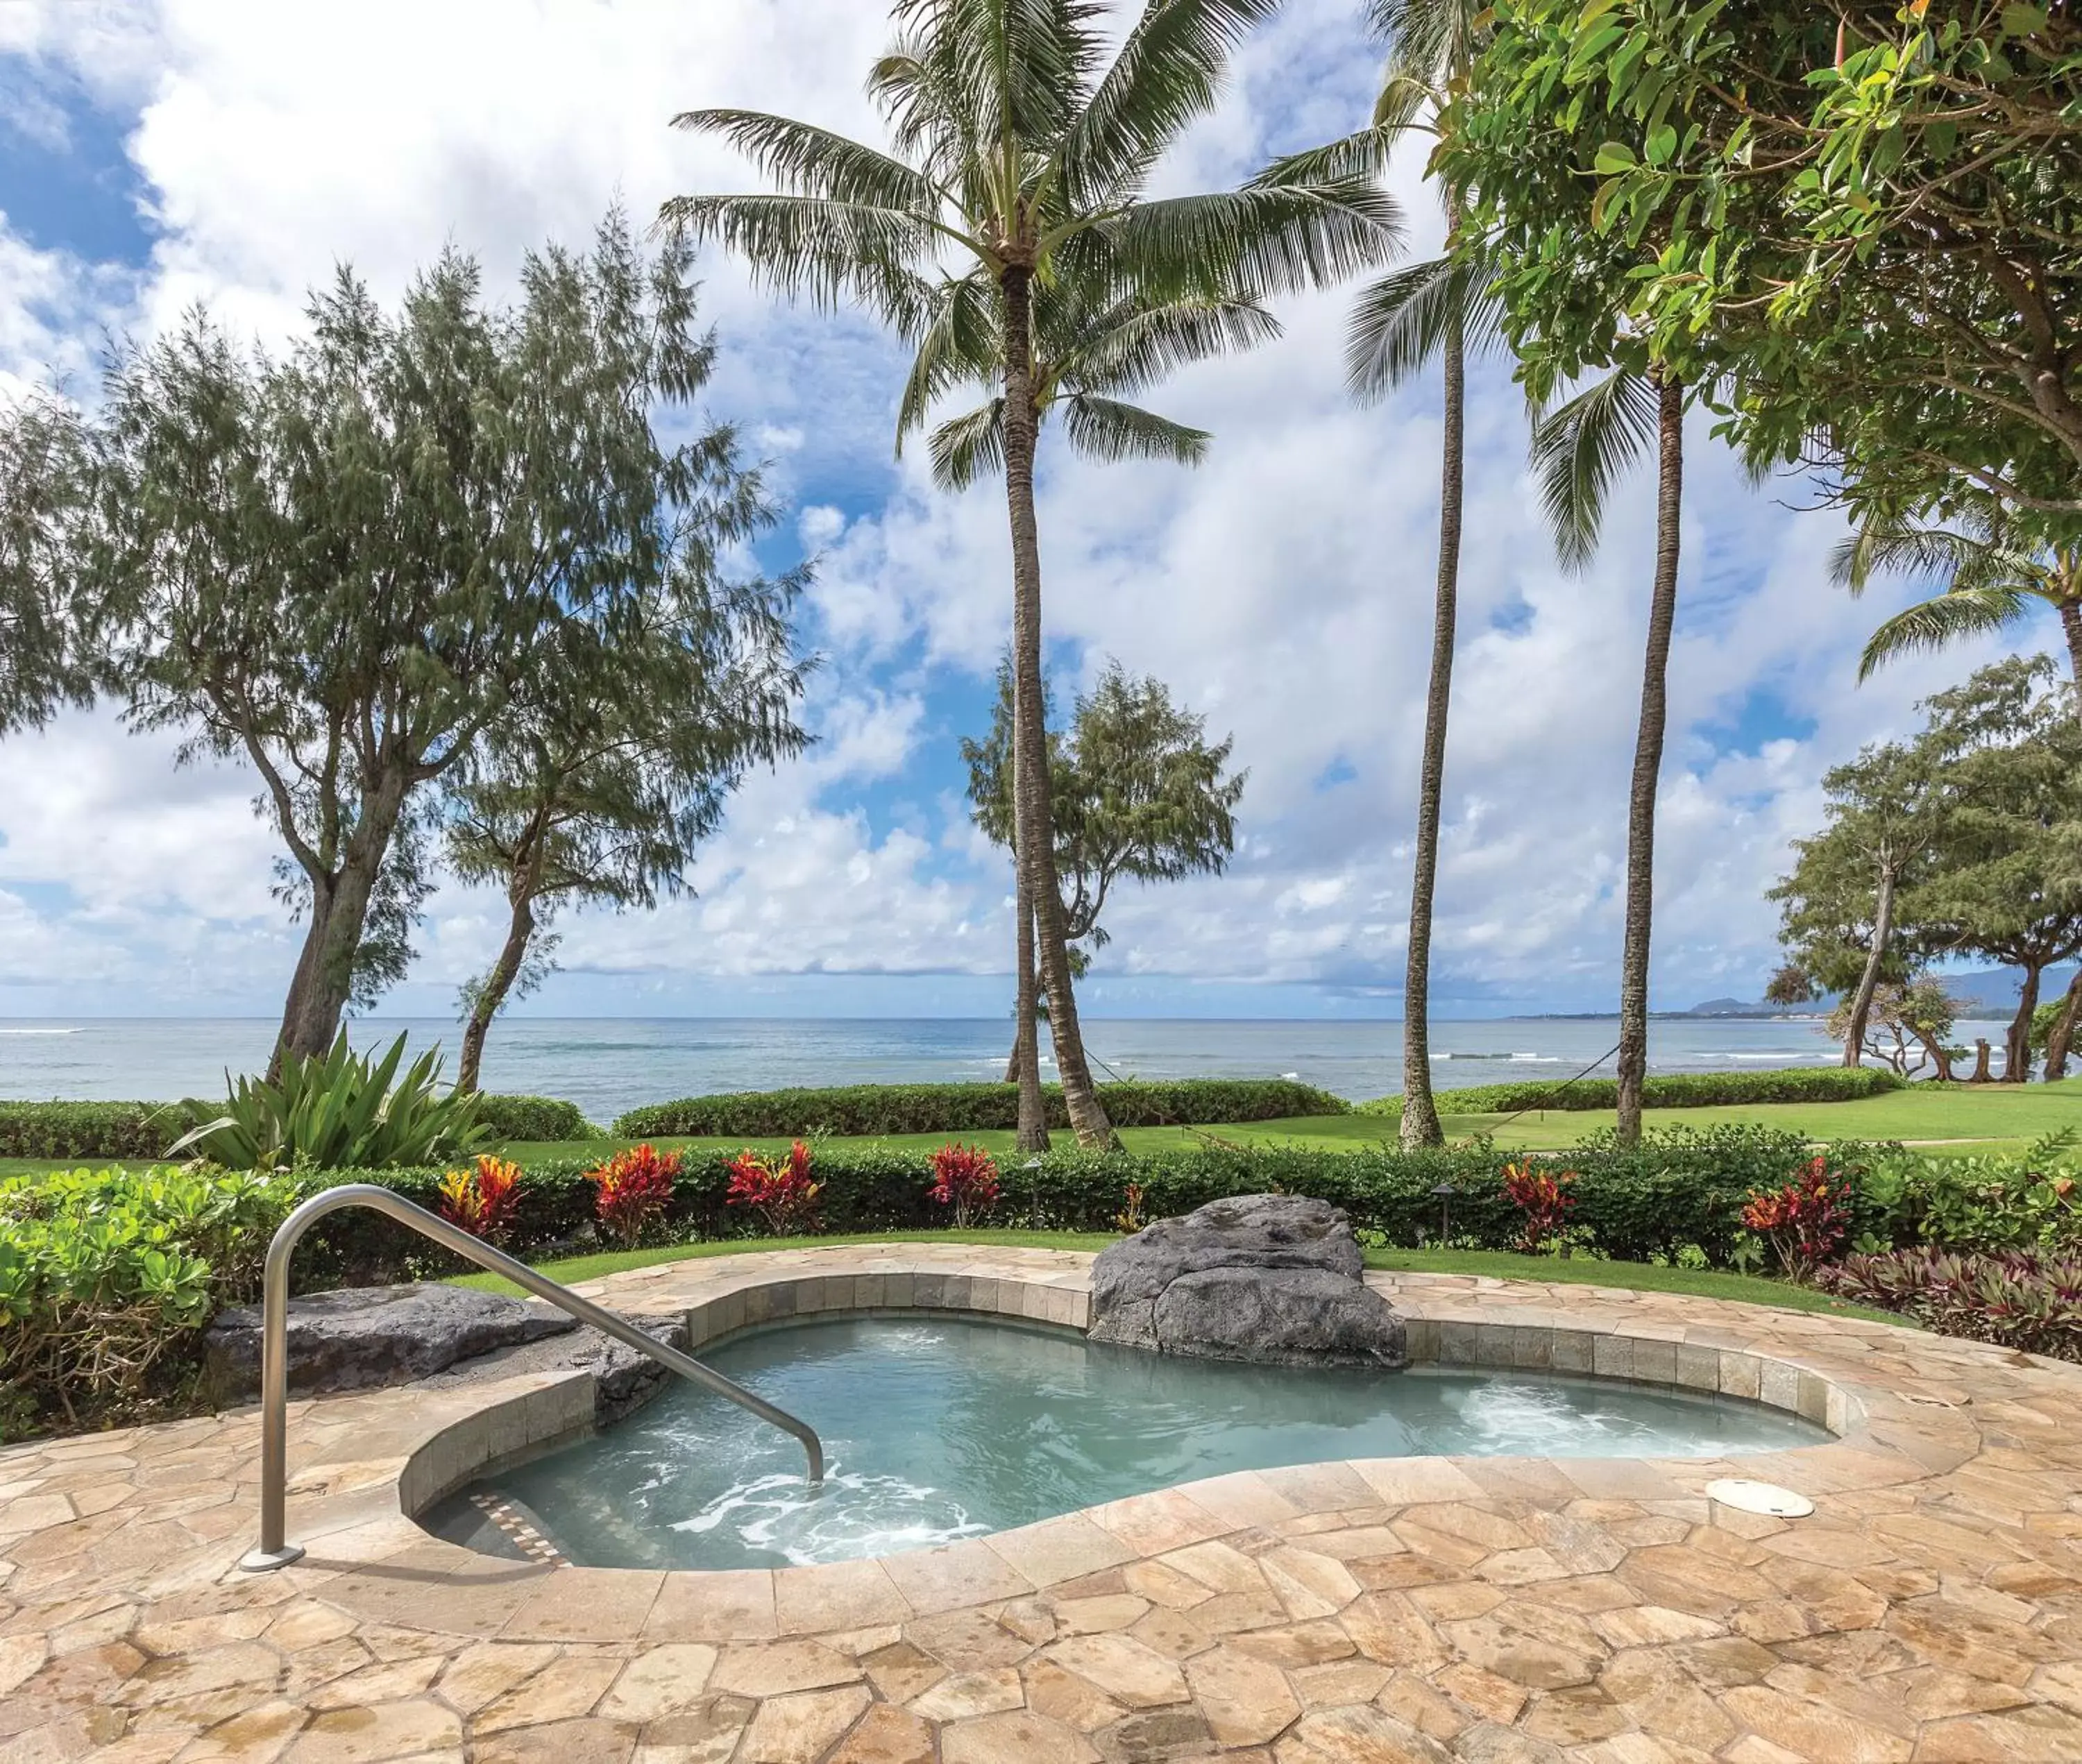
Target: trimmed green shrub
[1677,1188]
[1677,1090]
[90,1130]
[882,1109]
[534,1118]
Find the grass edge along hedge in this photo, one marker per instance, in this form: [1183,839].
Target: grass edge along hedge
[1673,1090]
[854,1110]
[132,1130]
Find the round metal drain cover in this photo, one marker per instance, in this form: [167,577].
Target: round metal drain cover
[1765,1497]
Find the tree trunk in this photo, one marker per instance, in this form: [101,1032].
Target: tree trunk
[1861,1001]
[1033,819]
[1648,763]
[1420,1116]
[1939,1057]
[1026,1069]
[491,995]
[324,977]
[2017,1051]
[2071,626]
[2061,1037]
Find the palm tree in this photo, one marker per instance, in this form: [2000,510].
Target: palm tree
[1992,581]
[1580,450]
[1429,311]
[1090,356]
[1021,157]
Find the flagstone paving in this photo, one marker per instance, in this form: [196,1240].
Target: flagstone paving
[1494,1611]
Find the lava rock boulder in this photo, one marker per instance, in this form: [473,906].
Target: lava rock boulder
[361,1337]
[1271,1278]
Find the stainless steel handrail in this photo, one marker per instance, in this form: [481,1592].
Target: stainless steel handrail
[275,1552]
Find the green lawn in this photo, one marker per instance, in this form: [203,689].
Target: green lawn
[1957,1119]
[1633,1276]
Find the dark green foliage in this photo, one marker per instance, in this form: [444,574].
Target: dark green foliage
[871,1108]
[1677,1090]
[92,1130]
[532,1118]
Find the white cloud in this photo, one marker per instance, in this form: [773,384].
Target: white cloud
[1284,588]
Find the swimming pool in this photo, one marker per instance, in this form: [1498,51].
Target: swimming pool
[942,1427]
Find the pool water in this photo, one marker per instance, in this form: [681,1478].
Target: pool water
[939,1428]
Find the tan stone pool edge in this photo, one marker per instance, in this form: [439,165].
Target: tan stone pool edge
[1486,1608]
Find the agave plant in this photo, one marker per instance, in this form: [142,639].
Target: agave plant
[339,1111]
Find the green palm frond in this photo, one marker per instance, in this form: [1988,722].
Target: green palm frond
[1970,559]
[1401,323]
[959,343]
[1107,430]
[1364,154]
[812,247]
[1944,619]
[1168,72]
[1269,237]
[1405,93]
[1434,36]
[1580,450]
[805,161]
[970,446]
[1134,346]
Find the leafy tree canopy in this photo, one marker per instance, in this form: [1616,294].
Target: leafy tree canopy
[344,564]
[1864,222]
[1141,794]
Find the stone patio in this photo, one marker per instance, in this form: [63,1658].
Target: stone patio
[1486,1610]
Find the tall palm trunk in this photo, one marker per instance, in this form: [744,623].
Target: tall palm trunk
[2071,626]
[1861,1001]
[1420,1116]
[1027,1038]
[1648,761]
[2061,1037]
[1033,819]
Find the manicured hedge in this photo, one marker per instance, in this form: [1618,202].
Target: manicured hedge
[1678,1188]
[91,1130]
[1679,1090]
[533,1117]
[879,1108]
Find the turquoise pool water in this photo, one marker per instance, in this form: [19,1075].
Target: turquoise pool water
[939,1428]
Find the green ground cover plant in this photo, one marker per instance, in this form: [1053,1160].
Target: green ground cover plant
[108,1276]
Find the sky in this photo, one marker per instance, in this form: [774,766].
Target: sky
[160,153]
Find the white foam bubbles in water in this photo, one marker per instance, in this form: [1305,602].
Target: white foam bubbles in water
[851,1516]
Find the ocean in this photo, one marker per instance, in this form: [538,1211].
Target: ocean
[606,1065]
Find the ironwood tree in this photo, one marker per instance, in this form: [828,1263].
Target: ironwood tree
[344,564]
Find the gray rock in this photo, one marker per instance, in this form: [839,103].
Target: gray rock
[1273,1278]
[361,1336]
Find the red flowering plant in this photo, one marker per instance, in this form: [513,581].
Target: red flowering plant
[632,1189]
[482,1199]
[782,1193]
[1806,1220]
[965,1177]
[1543,1199]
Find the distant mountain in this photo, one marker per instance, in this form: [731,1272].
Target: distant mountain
[1988,992]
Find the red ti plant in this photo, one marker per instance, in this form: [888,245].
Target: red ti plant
[633,1189]
[1805,1220]
[1542,1196]
[782,1193]
[965,1177]
[481,1199]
